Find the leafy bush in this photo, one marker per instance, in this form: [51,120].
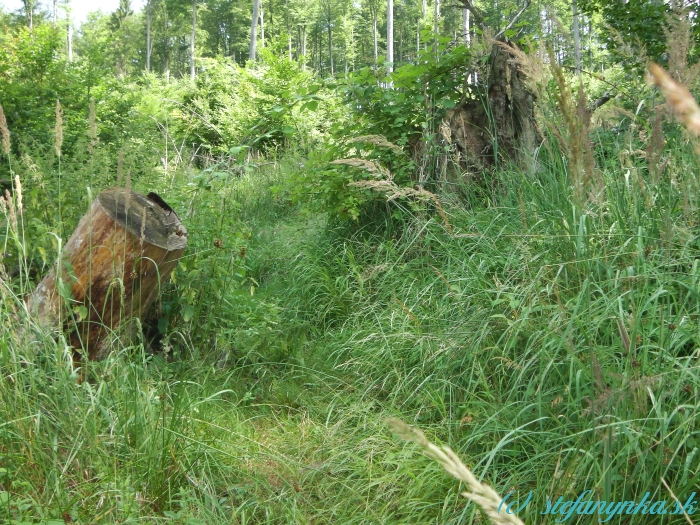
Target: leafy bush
[267,105]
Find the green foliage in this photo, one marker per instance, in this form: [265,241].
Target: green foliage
[264,105]
[411,99]
[635,23]
[325,182]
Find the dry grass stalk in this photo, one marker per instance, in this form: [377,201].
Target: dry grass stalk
[678,97]
[444,279]
[679,42]
[18,194]
[480,493]
[92,126]
[58,130]
[407,310]
[4,132]
[11,210]
[120,166]
[377,140]
[577,119]
[392,191]
[675,498]
[375,169]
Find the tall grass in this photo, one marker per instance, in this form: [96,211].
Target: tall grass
[550,338]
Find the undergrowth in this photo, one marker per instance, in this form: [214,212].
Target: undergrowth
[554,347]
[546,327]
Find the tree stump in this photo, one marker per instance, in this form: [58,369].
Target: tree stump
[500,127]
[112,269]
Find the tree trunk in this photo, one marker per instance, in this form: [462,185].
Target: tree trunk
[436,26]
[70,41]
[401,55]
[467,36]
[465,26]
[417,41]
[149,46]
[484,133]
[29,10]
[194,28]
[423,21]
[374,33]
[577,38]
[262,26]
[303,46]
[390,34]
[330,37]
[254,29]
[114,265]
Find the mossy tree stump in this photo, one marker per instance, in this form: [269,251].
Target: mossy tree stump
[112,269]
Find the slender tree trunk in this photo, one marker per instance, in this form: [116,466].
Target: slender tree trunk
[330,46]
[55,12]
[316,52]
[149,46]
[303,45]
[417,41]
[465,26]
[194,27]
[262,26]
[422,21]
[467,35]
[345,40]
[352,46]
[577,38]
[374,33]
[289,29]
[436,25]
[254,29]
[166,45]
[70,40]
[390,34]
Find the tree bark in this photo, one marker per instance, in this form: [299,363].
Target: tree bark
[423,20]
[502,127]
[390,34]
[373,11]
[577,38]
[436,26]
[254,29]
[112,269]
[70,40]
[194,28]
[149,46]
[262,26]
[329,18]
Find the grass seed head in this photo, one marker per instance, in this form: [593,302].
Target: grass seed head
[58,130]
[4,133]
[18,193]
[678,97]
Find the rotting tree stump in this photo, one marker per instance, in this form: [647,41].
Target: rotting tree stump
[499,127]
[112,270]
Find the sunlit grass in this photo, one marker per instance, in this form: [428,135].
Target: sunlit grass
[554,348]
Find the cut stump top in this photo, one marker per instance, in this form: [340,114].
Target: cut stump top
[148,217]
